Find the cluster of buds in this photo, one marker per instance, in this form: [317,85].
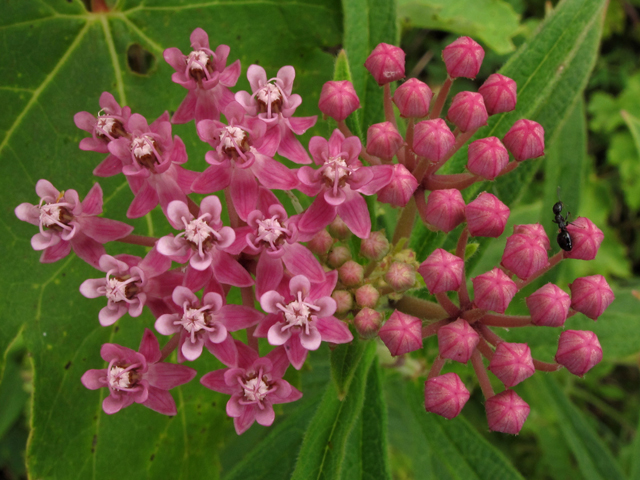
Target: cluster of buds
[310,285]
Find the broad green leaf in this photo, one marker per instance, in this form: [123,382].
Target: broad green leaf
[57,59]
[440,448]
[493,22]
[594,460]
[345,360]
[551,71]
[322,454]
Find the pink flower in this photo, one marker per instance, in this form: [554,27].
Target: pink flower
[402,333]
[467,111]
[255,385]
[413,98]
[138,377]
[67,223]
[586,238]
[206,323]
[243,151]
[506,412]
[579,351]
[274,238]
[487,157]
[206,75]
[131,283]
[486,216]
[400,189]
[499,93]
[524,256]
[338,99]
[457,341]
[512,363]
[445,209]
[272,102]
[151,161]
[442,271]
[549,306]
[302,319]
[463,58]
[591,295]
[109,125]
[338,184]
[433,139]
[445,395]
[494,290]
[525,139]
[386,63]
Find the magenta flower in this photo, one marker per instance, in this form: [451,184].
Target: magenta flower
[206,75]
[442,271]
[206,323]
[255,384]
[386,63]
[137,377]
[457,341]
[131,283]
[494,290]
[445,395]
[272,102]
[506,412]
[549,306]
[586,237]
[274,238]
[67,223]
[524,255]
[486,216]
[151,161]
[591,295]
[445,209]
[302,319]
[338,99]
[402,333]
[338,184]
[243,151]
[463,58]
[578,351]
[413,98]
[512,363]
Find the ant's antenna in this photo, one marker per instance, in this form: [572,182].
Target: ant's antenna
[558,193]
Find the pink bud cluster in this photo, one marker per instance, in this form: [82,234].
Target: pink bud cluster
[301,267]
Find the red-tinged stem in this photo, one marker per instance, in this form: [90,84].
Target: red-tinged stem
[432,329]
[248,300]
[370,159]
[553,261]
[461,247]
[507,321]
[389,115]
[421,205]
[459,181]
[473,315]
[405,222]
[485,349]
[489,335]
[138,240]
[436,367]
[169,347]
[511,166]
[234,220]
[369,269]
[194,209]
[420,308]
[420,171]
[481,373]
[450,307]
[440,99]
[408,156]
[545,366]
[342,126]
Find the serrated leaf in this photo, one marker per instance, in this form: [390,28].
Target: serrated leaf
[322,455]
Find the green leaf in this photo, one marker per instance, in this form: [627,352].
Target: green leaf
[594,460]
[493,22]
[322,454]
[345,360]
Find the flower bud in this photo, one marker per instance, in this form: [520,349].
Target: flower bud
[399,190]
[578,351]
[338,255]
[525,140]
[499,93]
[445,395]
[493,290]
[338,99]
[445,209]
[338,229]
[467,111]
[383,140]
[386,63]
[512,363]
[524,256]
[320,243]
[463,58]
[367,322]
[591,295]
[413,98]
[367,296]
[375,247]
[432,139]
[487,157]
[535,231]
[351,273]
[400,276]
[457,341]
[344,300]
[506,412]
[402,333]
[442,271]
[486,216]
[549,306]
[586,239]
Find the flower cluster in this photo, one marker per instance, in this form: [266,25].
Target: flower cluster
[310,285]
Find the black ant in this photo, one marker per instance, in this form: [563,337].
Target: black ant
[563,239]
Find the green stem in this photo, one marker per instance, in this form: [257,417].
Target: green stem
[405,222]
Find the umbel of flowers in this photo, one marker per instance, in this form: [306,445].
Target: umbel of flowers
[309,287]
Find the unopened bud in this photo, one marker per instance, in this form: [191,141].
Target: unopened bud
[445,209]
[506,412]
[499,93]
[399,190]
[375,247]
[524,256]
[549,306]
[413,98]
[338,229]
[383,140]
[512,363]
[442,271]
[535,231]
[579,351]
[486,216]
[445,395]
[351,273]
[402,333]
[467,111]
[320,243]
[591,295]
[493,290]
[457,341]
[386,63]
[344,300]
[487,157]
[433,139]
[367,322]
[463,58]
[586,239]
[525,140]
[367,296]
[400,276]
[338,256]
[338,99]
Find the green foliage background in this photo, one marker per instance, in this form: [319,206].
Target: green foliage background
[360,417]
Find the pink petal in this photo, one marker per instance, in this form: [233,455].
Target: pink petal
[237,317]
[215,381]
[154,263]
[257,77]
[103,230]
[273,174]
[382,175]
[112,404]
[262,330]
[165,324]
[94,379]
[93,287]
[229,271]
[206,108]
[196,279]
[175,58]
[187,109]
[333,330]
[269,273]
[327,306]
[213,207]
[28,213]
[185,178]
[145,201]
[245,421]
[266,416]
[172,247]
[87,249]
[299,125]
[246,355]
[168,375]
[229,76]
[300,261]
[319,149]
[84,121]
[225,351]
[240,241]
[167,190]
[318,215]
[160,401]
[46,190]
[291,148]
[176,211]
[92,203]
[355,214]
[178,154]
[108,316]
[296,352]
[109,167]
[311,341]
[149,347]
[244,191]
[277,335]
[269,301]
[182,295]
[326,288]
